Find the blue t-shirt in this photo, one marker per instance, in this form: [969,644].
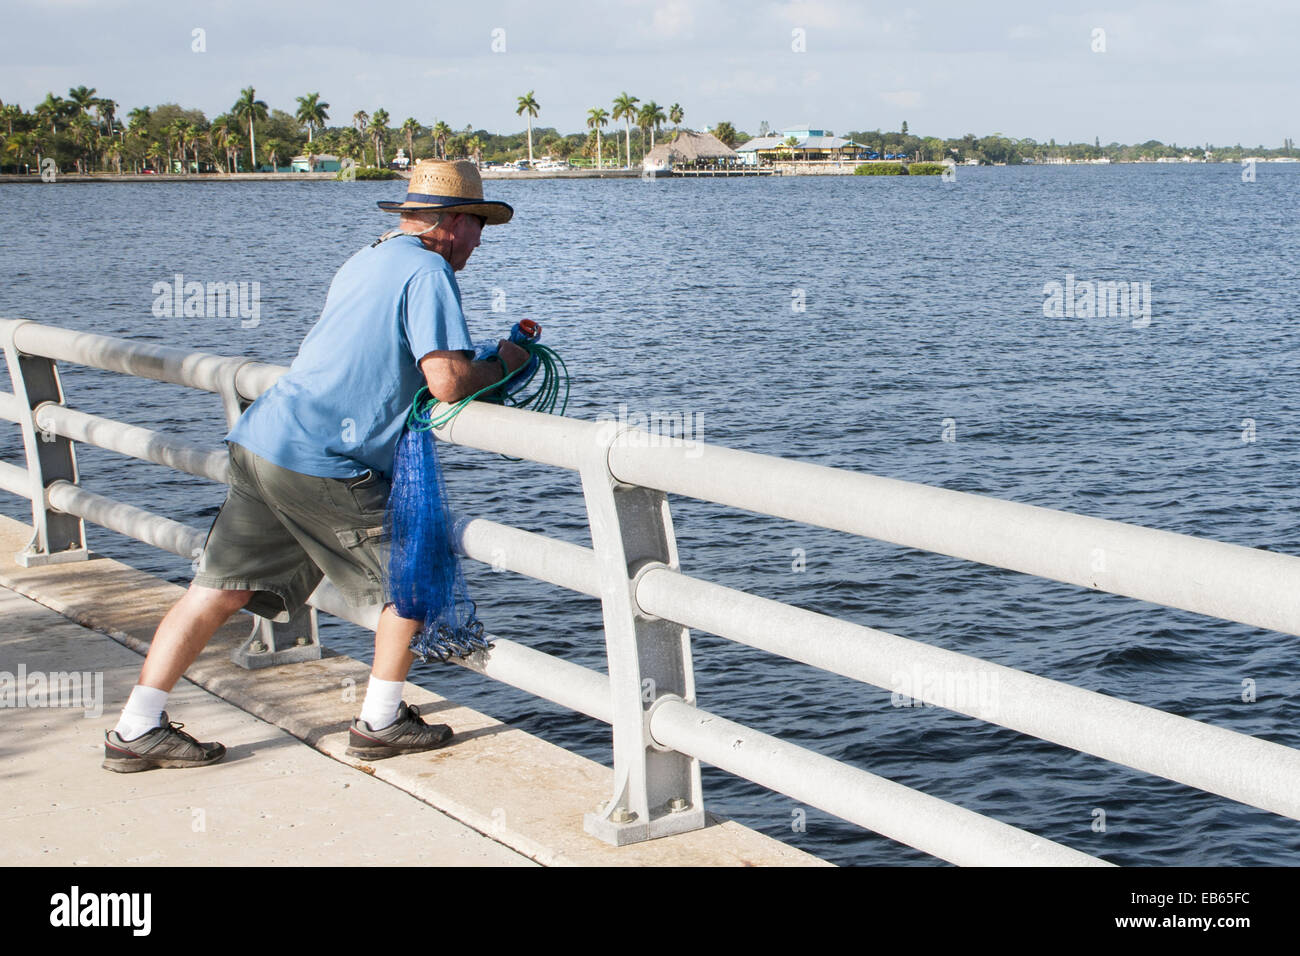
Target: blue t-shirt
[341,407]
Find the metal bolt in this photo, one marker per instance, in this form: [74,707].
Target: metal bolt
[257,647]
[678,804]
[621,815]
[303,641]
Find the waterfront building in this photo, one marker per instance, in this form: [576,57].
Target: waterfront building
[810,145]
[321,163]
[689,150]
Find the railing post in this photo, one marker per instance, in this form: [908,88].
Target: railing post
[270,643]
[57,537]
[656,790]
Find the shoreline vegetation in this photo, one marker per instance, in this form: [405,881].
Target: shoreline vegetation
[84,134]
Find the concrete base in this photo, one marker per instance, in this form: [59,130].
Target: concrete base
[37,559]
[520,791]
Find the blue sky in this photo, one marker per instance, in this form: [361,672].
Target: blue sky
[1184,72]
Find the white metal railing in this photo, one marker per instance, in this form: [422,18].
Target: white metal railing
[660,734]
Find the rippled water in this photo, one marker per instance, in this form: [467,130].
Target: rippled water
[923,303]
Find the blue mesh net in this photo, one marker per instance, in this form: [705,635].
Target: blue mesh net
[426,583]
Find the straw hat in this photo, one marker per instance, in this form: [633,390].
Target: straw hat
[453,185]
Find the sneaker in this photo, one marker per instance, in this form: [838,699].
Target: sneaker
[408,734]
[165,746]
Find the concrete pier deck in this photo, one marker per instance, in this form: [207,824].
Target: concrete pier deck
[286,793]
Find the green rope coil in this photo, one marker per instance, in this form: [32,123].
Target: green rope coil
[552,390]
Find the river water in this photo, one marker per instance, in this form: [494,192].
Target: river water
[891,326]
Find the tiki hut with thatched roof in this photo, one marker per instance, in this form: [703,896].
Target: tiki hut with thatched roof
[691,150]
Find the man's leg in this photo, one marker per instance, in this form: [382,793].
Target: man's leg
[393,660]
[183,633]
[385,728]
[393,655]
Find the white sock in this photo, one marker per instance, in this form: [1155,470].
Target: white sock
[383,697]
[142,713]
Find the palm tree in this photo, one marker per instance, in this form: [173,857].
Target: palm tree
[223,130]
[411,126]
[529,105]
[194,135]
[625,109]
[650,116]
[234,146]
[51,111]
[271,149]
[107,109]
[138,119]
[725,132]
[474,147]
[675,116]
[82,100]
[249,107]
[175,132]
[155,153]
[359,120]
[11,112]
[379,133]
[20,144]
[81,128]
[311,113]
[350,144]
[597,117]
[441,133]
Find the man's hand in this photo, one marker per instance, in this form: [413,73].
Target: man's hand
[452,376]
[516,356]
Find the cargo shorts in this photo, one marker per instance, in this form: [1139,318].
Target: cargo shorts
[280,531]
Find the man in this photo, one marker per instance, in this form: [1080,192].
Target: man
[310,467]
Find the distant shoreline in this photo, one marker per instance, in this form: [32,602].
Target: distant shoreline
[490,173]
[302,177]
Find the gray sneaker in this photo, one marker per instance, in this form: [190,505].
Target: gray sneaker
[407,734]
[166,746]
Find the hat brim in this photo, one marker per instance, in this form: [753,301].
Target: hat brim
[494,212]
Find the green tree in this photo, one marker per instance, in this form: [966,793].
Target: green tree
[272,148]
[650,116]
[52,110]
[249,107]
[441,133]
[625,109]
[675,116]
[351,146]
[529,105]
[411,127]
[311,113]
[726,133]
[83,100]
[597,118]
[474,147]
[9,113]
[379,134]
[107,111]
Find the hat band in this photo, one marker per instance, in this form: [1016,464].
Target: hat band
[441,200]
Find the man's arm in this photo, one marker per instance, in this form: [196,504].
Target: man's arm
[452,376]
